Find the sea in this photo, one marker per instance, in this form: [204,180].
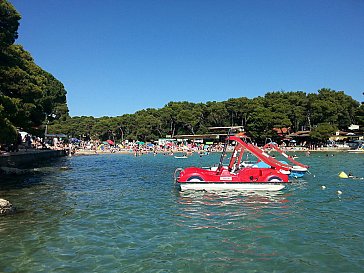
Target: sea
[120,213]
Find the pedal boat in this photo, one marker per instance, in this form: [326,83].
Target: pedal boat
[235,176]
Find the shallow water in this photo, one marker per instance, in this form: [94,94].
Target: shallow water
[119,213]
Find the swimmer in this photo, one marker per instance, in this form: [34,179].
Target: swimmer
[350,175]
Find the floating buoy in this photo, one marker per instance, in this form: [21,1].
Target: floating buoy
[323,187]
[343,175]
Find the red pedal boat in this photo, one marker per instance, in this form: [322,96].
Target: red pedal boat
[235,176]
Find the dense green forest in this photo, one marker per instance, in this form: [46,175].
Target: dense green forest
[28,95]
[321,113]
[31,97]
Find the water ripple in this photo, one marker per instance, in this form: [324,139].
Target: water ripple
[119,213]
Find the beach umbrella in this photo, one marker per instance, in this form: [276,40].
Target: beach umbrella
[109,141]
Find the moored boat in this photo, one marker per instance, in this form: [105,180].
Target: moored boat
[358,149]
[180,157]
[295,171]
[235,176]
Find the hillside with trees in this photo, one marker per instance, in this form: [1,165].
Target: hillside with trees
[321,113]
[29,95]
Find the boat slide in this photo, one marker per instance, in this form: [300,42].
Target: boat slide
[290,158]
[263,156]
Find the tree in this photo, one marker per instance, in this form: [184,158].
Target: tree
[216,114]
[35,92]
[280,115]
[28,94]
[190,117]
[334,107]
[323,132]
[240,110]
[147,125]
[297,110]
[290,108]
[8,131]
[9,23]
[258,115]
[262,120]
[359,115]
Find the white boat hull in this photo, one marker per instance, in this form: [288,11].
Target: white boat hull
[245,186]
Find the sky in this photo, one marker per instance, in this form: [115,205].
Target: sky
[116,57]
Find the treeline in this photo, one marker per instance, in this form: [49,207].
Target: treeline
[322,113]
[28,95]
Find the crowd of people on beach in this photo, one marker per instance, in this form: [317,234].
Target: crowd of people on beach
[75,146]
[25,142]
[170,148]
[140,148]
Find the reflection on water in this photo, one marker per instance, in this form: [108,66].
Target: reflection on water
[242,224]
[213,198]
[229,210]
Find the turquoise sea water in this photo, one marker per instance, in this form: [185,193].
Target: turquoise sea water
[119,213]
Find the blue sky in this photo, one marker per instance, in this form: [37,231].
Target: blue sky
[116,57]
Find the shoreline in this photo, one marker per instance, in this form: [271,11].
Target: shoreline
[12,159]
[93,152]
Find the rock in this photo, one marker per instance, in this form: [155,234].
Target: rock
[6,207]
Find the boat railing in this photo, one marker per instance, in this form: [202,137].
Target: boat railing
[177,174]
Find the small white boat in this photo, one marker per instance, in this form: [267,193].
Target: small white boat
[358,149]
[181,157]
